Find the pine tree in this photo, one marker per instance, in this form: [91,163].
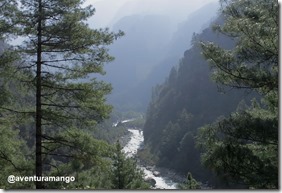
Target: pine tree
[244,146]
[58,54]
[190,183]
[126,174]
[13,149]
[253,62]
[7,17]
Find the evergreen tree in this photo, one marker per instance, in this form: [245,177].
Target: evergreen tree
[89,163]
[14,152]
[253,62]
[126,174]
[7,17]
[190,183]
[58,54]
[244,146]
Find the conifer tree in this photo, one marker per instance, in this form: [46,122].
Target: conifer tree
[126,174]
[244,146]
[12,148]
[59,56]
[253,62]
[190,183]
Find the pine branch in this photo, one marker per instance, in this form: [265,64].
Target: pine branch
[5,157]
[58,141]
[60,155]
[52,165]
[62,60]
[61,88]
[20,112]
[61,106]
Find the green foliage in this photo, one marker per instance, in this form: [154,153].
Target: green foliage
[253,62]
[244,54]
[69,51]
[187,100]
[88,161]
[148,158]
[106,132]
[169,140]
[47,76]
[126,174]
[137,123]
[13,157]
[8,9]
[244,146]
[66,52]
[14,151]
[190,183]
[97,166]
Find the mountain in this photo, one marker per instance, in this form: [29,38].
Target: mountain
[185,101]
[195,23]
[176,10]
[181,41]
[136,53]
[144,56]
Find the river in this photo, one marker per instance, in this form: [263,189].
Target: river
[136,139]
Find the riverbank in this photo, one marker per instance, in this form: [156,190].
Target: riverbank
[163,178]
[159,177]
[167,173]
[124,140]
[146,159]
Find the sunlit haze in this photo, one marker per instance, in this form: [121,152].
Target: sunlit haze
[110,11]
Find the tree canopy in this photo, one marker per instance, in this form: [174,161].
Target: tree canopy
[244,146]
[48,102]
[253,62]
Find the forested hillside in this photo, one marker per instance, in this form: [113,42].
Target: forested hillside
[234,103]
[187,100]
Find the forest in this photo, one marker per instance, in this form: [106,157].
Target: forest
[216,115]
[212,118]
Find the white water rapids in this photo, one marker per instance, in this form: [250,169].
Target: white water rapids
[131,148]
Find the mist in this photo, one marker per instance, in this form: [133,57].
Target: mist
[108,12]
[156,35]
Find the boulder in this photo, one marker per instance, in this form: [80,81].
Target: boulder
[156,173]
[151,181]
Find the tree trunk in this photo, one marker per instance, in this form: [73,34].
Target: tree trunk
[39,184]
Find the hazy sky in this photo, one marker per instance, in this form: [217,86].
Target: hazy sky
[109,11]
